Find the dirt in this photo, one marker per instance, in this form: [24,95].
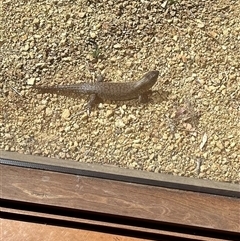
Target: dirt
[190,128]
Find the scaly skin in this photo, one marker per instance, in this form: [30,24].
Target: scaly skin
[108,90]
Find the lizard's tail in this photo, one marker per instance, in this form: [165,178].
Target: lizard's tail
[81,88]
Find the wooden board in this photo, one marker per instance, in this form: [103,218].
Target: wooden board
[124,175]
[130,204]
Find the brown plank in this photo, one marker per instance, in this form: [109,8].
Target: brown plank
[169,180]
[12,230]
[79,220]
[16,230]
[119,198]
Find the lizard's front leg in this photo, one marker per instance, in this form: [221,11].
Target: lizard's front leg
[143,98]
[93,100]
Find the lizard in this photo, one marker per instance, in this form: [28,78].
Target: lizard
[100,91]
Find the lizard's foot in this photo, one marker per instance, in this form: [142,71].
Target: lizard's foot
[93,100]
[143,98]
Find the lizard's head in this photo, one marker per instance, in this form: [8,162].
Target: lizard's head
[148,80]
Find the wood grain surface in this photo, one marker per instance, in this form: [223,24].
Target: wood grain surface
[117,198]
[12,230]
[123,174]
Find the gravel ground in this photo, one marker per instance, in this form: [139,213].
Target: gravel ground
[190,129]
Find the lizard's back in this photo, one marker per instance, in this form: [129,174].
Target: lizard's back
[108,90]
